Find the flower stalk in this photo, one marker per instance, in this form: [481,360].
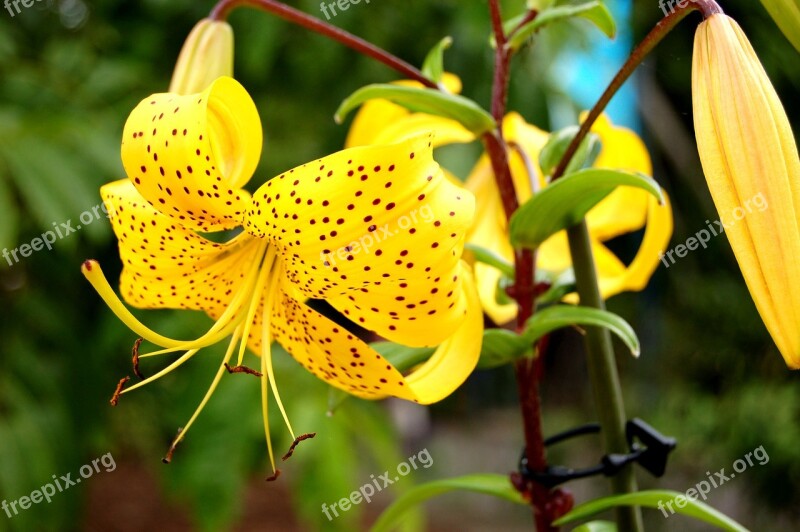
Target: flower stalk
[295,16]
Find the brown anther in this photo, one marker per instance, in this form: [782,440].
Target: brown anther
[135,352]
[242,369]
[295,443]
[168,458]
[274,476]
[115,398]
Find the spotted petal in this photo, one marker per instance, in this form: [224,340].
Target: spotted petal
[372,228]
[188,155]
[168,266]
[341,359]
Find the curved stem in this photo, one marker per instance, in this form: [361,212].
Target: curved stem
[656,35]
[528,372]
[224,8]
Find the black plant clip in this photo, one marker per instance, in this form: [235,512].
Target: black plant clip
[651,451]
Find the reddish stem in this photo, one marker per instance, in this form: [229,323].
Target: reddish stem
[224,8]
[527,371]
[656,35]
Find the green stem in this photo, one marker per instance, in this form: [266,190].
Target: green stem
[603,374]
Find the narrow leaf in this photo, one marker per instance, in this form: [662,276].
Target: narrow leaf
[597,526]
[403,357]
[595,12]
[433,67]
[495,485]
[560,316]
[462,110]
[491,258]
[565,202]
[557,145]
[652,499]
[501,347]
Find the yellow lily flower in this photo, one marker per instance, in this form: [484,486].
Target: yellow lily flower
[377,232]
[623,211]
[748,149]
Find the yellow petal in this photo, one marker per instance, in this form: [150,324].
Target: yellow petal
[625,209]
[332,353]
[488,231]
[168,266]
[339,358]
[206,55]
[456,358]
[749,155]
[656,239]
[189,155]
[530,139]
[377,220]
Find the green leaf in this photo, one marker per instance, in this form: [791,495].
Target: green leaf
[595,12]
[500,347]
[557,145]
[491,258]
[557,317]
[786,14]
[560,286]
[403,357]
[495,485]
[597,526]
[566,201]
[433,67]
[651,499]
[435,102]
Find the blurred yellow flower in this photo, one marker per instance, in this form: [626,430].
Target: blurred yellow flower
[187,158]
[625,210]
[207,54]
[748,149]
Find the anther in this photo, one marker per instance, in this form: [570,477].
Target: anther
[295,443]
[242,369]
[168,458]
[115,398]
[135,352]
[274,476]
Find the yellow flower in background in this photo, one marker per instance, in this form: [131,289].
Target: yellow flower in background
[206,55]
[302,235]
[623,211]
[748,149]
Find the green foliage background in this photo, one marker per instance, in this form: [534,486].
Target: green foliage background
[69,75]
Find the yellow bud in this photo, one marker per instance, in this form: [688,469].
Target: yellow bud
[206,55]
[752,167]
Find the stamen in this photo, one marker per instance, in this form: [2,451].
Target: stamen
[266,344]
[265,417]
[229,319]
[266,269]
[242,369]
[115,398]
[135,352]
[296,442]
[274,476]
[209,393]
[94,274]
[189,354]
[168,458]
